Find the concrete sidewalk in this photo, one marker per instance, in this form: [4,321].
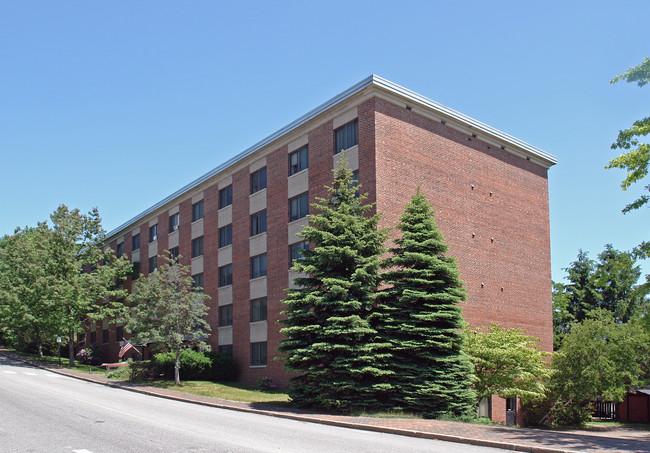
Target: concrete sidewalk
[604,440]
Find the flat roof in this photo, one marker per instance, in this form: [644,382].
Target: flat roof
[372,80]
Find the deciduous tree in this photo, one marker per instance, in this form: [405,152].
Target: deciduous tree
[168,311]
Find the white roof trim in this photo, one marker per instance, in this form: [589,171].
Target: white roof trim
[373,80]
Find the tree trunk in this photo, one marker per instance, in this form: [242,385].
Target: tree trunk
[177,366]
[71,348]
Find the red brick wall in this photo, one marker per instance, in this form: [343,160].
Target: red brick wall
[241,271]
[210,254]
[491,206]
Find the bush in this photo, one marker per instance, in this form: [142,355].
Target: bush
[224,367]
[143,370]
[557,414]
[195,365]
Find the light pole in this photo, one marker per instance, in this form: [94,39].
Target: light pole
[58,342]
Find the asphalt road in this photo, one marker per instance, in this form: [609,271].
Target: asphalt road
[41,411]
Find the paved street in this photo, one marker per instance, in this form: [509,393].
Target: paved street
[42,411]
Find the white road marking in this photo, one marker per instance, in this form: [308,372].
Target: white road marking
[82,451]
[10,372]
[30,374]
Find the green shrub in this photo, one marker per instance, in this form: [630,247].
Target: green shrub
[224,367]
[143,370]
[195,365]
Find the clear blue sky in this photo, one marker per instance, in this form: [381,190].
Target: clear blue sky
[95,97]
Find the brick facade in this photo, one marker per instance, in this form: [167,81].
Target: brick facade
[489,190]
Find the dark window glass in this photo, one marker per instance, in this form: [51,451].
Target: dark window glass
[197,284]
[355,183]
[119,333]
[135,242]
[225,275]
[258,309]
[225,236]
[120,249]
[258,353]
[258,223]
[197,211]
[105,336]
[173,222]
[225,315]
[258,180]
[197,247]
[173,253]
[153,263]
[225,349]
[295,251]
[298,161]
[136,270]
[299,207]
[225,197]
[153,233]
[258,266]
[93,338]
[345,137]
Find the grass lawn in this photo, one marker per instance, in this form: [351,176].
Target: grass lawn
[228,391]
[604,425]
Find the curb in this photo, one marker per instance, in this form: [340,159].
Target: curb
[306,418]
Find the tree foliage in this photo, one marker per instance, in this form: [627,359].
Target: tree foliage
[74,279]
[27,310]
[507,363]
[329,342]
[610,283]
[600,357]
[419,316]
[168,311]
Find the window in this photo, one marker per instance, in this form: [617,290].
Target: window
[225,197]
[93,338]
[173,222]
[225,315]
[258,180]
[298,160]
[225,349]
[120,249]
[299,207]
[355,183]
[258,309]
[258,354]
[295,251]
[225,275]
[153,264]
[136,270]
[105,336]
[153,233]
[173,254]
[119,333]
[258,223]
[197,247]
[258,266]
[197,284]
[345,137]
[197,211]
[135,242]
[225,236]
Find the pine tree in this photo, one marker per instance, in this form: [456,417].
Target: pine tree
[329,341]
[419,315]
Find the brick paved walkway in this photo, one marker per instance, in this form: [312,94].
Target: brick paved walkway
[604,440]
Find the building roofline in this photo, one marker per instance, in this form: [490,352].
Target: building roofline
[372,80]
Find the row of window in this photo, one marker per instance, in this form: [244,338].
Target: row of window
[257,312]
[258,352]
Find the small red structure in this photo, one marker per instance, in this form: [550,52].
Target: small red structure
[635,408]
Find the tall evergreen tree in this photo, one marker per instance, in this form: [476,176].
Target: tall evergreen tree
[419,315]
[329,341]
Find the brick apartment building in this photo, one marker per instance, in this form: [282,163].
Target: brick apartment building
[236,225]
